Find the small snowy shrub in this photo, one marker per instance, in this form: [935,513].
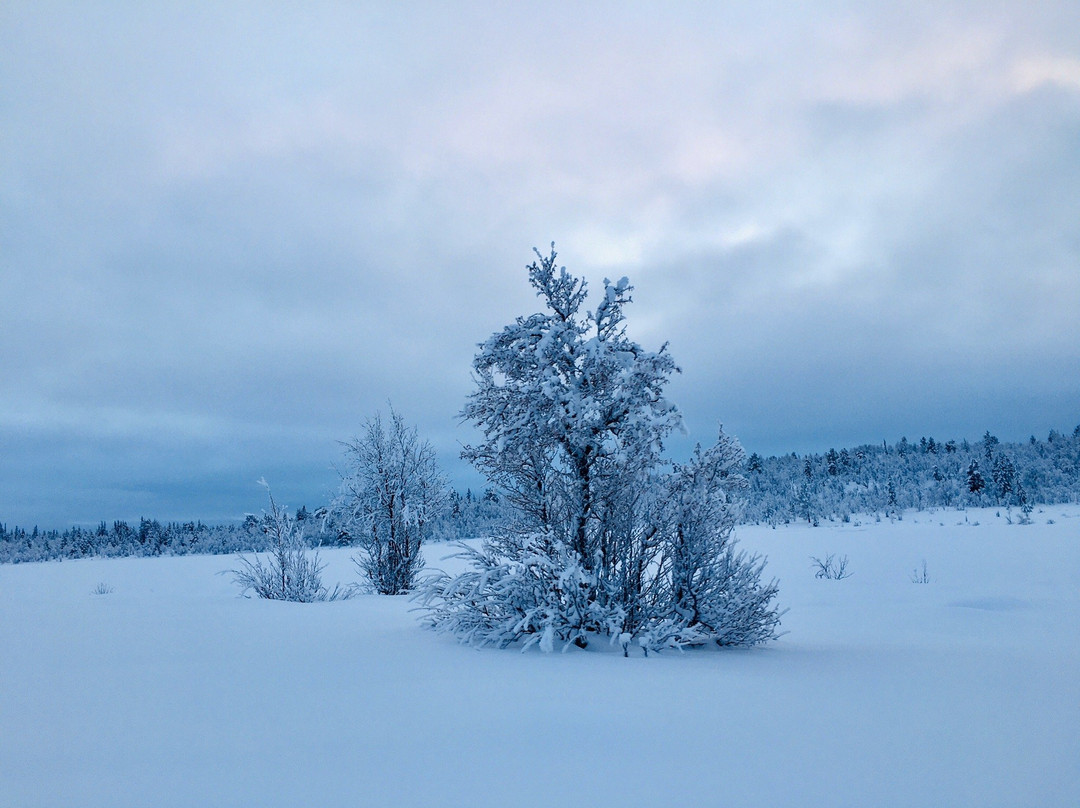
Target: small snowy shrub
[831,567]
[920,576]
[102,589]
[289,572]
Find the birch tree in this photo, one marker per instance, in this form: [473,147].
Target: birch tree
[391,493]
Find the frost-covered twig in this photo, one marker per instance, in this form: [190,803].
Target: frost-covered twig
[831,568]
[920,576]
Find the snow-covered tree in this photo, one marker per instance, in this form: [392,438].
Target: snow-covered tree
[611,540]
[1003,474]
[975,481]
[391,493]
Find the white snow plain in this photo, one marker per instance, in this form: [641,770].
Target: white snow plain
[171,690]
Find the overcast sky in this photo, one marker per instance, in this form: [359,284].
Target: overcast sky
[231,232]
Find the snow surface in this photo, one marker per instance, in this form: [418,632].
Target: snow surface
[173,691]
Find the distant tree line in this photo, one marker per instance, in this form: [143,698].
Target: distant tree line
[147,538]
[907,475]
[466,516]
[470,515]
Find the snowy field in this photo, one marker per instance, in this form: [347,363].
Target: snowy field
[171,690]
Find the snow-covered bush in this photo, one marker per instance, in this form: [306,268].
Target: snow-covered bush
[289,572]
[391,494]
[611,539]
